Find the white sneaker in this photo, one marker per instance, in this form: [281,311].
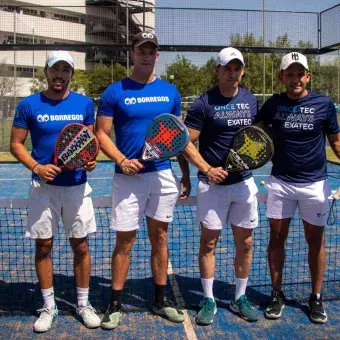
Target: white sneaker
[44,323]
[89,316]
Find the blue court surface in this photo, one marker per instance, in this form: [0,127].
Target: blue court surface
[20,295]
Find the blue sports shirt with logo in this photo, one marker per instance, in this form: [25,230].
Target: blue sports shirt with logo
[133,106]
[45,118]
[299,130]
[218,118]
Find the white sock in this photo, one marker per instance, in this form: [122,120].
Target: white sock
[48,296]
[241,285]
[207,285]
[318,296]
[83,296]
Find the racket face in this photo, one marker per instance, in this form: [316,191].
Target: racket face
[76,145]
[250,149]
[166,137]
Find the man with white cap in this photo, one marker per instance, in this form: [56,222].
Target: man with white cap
[299,120]
[55,193]
[213,119]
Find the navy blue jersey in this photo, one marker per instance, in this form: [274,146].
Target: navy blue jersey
[299,129]
[45,118]
[218,118]
[133,106]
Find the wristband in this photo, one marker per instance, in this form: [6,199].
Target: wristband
[35,167]
[208,171]
[121,162]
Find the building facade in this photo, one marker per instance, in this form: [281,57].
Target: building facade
[86,23]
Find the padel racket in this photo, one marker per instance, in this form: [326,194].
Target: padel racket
[76,145]
[166,137]
[250,149]
[332,217]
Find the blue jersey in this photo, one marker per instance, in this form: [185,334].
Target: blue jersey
[45,118]
[133,106]
[299,129]
[218,118]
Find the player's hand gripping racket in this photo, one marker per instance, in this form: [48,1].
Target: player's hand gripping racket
[166,137]
[250,149]
[76,145]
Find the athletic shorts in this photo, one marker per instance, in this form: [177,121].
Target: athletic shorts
[153,194]
[311,198]
[221,204]
[48,203]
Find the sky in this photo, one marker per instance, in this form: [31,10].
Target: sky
[213,27]
[285,5]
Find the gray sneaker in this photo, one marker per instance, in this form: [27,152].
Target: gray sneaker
[112,317]
[208,309]
[167,309]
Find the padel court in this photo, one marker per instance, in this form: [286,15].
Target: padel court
[20,295]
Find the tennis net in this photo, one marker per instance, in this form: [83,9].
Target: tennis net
[20,293]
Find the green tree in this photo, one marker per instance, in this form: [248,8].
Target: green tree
[80,81]
[207,76]
[102,75]
[184,75]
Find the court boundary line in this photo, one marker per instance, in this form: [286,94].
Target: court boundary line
[188,326]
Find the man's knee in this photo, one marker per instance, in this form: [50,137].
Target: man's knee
[124,242]
[207,246]
[80,247]
[43,248]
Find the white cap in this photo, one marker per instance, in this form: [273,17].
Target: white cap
[56,56]
[292,58]
[227,55]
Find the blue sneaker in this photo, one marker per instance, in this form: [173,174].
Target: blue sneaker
[243,307]
[208,309]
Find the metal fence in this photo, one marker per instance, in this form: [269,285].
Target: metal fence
[99,34]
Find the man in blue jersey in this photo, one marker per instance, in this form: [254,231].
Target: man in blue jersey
[213,119]
[300,120]
[150,188]
[55,193]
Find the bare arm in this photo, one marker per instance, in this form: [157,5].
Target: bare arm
[18,150]
[334,142]
[191,154]
[103,130]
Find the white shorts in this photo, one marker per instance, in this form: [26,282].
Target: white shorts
[221,204]
[153,194]
[311,198]
[47,203]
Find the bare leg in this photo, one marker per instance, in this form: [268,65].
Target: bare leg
[43,262]
[159,249]
[121,258]
[316,254]
[81,261]
[208,243]
[276,249]
[244,252]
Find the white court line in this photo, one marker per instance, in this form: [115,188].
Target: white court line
[188,327]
